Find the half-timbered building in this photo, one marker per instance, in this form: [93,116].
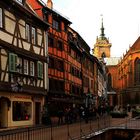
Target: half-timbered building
[60,69]
[72,69]
[89,78]
[75,67]
[23,64]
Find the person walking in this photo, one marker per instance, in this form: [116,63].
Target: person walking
[60,116]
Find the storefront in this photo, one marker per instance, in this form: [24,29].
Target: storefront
[20,110]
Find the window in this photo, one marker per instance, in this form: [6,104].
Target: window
[65,27]
[46,16]
[103,55]
[137,71]
[60,45]
[40,69]
[51,62]
[46,41]
[33,35]
[19,65]
[1,18]
[56,85]
[32,68]
[60,65]
[109,83]
[86,81]
[22,110]
[56,25]
[26,67]
[12,62]
[27,33]
[50,42]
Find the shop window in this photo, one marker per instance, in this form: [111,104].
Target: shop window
[22,111]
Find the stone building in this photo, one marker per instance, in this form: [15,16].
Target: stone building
[128,72]
[102,50]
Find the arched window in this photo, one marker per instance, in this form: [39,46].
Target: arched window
[137,71]
[103,55]
[109,83]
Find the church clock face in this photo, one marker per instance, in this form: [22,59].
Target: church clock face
[102,42]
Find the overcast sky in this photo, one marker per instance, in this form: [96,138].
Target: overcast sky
[121,20]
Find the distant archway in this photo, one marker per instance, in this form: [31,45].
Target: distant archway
[109,83]
[103,55]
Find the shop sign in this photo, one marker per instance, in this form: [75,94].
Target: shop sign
[22,97]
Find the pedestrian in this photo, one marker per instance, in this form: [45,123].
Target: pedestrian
[86,114]
[66,114]
[60,116]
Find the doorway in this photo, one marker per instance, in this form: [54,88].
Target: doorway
[37,112]
[3,113]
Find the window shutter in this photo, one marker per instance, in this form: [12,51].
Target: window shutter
[1,25]
[40,69]
[12,62]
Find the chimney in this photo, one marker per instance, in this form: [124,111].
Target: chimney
[50,4]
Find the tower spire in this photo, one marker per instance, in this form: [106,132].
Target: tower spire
[102,29]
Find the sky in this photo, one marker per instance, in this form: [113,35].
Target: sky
[121,19]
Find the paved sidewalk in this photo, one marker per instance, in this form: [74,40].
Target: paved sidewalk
[66,131]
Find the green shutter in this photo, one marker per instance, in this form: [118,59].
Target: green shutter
[12,62]
[40,69]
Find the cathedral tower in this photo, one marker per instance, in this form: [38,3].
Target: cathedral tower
[102,46]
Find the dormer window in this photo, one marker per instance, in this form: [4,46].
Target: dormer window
[56,24]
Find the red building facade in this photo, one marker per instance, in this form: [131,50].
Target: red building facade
[72,71]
